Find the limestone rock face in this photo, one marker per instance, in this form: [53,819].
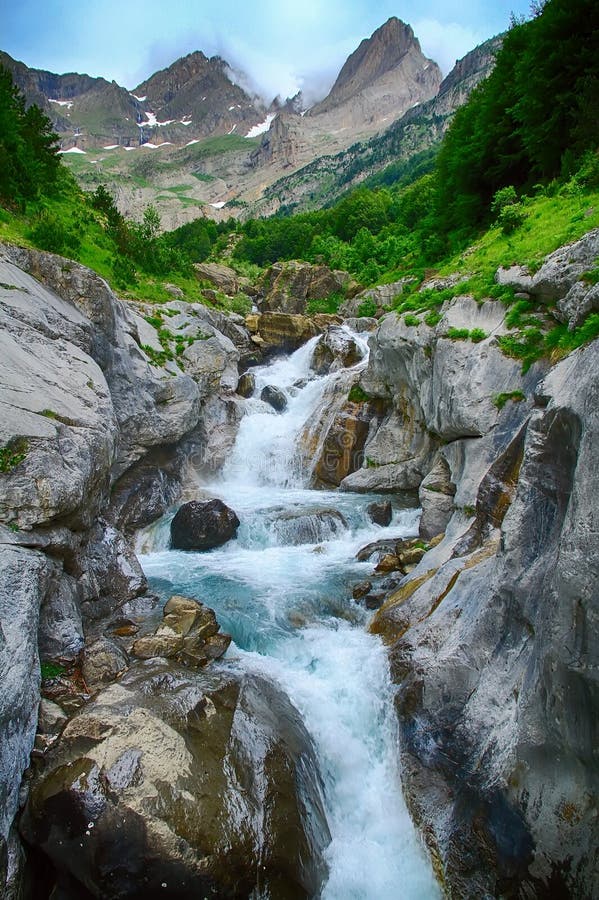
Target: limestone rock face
[161,758]
[388,69]
[485,638]
[288,286]
[561,279]
[25,577]
[437,389]
[436,493]
[203,525]
[83,406]
[284,332]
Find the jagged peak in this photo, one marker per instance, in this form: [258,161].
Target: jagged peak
[375,56]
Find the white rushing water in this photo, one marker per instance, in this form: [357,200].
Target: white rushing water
[290,612]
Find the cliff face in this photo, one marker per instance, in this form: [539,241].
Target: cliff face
[490,635]
[83,410]
[391,56]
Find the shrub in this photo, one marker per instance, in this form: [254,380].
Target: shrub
[458,334]
[328,304]
[433,318]
[511,217]
[368,308]
[477,335]
[51,234]
[411,320]
[357,395]
[499,400]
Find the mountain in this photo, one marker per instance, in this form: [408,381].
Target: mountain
[387,104]
[196,97]
[386,76]
[191,99]
[422,127]
[391,64]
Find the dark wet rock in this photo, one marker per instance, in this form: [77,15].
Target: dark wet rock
[103,661]
[274,397]
[310,526]
[380,512]
[175,783]
[202,525]
[246,385]
[360,590]
[375,551]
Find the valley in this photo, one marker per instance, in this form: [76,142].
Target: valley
[298,482]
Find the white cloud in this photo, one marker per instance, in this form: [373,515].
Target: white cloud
[446,42]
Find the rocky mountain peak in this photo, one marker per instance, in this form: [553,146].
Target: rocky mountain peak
[375,57]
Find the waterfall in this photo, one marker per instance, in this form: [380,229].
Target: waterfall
[283,590]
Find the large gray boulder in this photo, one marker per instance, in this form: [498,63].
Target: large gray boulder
[185,784]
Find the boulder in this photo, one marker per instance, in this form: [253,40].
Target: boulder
[188,632]
[202,525]
[212,363]
[287,286]
[274,397]
[284,332]
[174,782]
[361,590]
[336,349]
[309,527]
[246,385]
[223,278]
[380,512]
[103,661]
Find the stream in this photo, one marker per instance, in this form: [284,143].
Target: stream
[290,611]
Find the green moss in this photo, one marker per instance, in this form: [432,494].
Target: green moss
[357,395]
[51,670]
[499,400]
[11,455]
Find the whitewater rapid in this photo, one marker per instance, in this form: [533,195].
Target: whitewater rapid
[292,618]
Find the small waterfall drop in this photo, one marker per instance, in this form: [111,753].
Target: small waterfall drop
[283,590]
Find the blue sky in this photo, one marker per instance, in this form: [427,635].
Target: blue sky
[283,45]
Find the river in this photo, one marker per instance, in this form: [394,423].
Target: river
[290,611]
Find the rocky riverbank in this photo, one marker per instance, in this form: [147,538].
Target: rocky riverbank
[490,633]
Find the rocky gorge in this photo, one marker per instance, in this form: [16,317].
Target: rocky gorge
[150,757]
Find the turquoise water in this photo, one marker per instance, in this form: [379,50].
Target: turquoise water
[292,618]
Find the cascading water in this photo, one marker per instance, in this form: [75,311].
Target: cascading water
[283,590]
